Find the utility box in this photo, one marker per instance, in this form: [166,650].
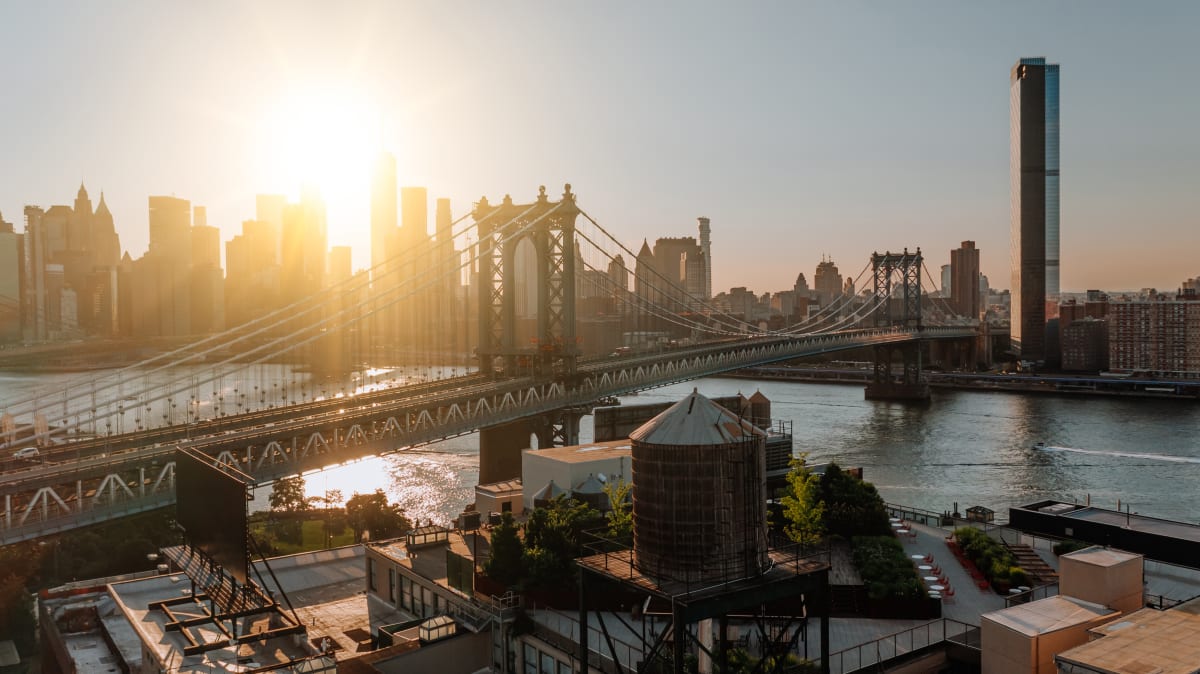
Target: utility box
[1104,576]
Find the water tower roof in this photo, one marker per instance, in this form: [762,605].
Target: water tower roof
[548,492]
[695,420]
[590,486]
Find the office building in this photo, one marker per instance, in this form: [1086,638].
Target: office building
[163,297]
[827,282]
[706,250]
[383,209]
[12,266]
[268,210]
[302,272]
[208,281]
[964,280]
[339,265]
[251,275]
[1034,167]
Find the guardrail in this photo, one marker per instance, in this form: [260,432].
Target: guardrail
[873,653]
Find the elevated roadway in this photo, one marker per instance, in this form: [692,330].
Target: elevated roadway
[81,485]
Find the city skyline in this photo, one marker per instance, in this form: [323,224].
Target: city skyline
[930,172]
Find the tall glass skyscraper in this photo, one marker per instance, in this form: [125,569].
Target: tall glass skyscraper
[1034,127]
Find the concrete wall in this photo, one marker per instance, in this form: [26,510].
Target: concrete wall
[537,471]
[1005,651]
[463,653]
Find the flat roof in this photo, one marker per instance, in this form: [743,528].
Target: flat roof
[429,561]
[135,597]
[1099,555]
[1048,615]
[1171,528]
[502,487]
[1164,642]
[1133,521]
[609,449]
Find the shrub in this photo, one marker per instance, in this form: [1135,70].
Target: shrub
[1017,576]
[1068,546]
[885,569]
[991,557]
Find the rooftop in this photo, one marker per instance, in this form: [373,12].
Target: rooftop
[135,598]
[1048,615]
[1163,642]
[1099,555]
[503,487]
[593,451]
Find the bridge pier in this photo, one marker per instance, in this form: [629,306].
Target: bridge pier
[500,447]
[910,386]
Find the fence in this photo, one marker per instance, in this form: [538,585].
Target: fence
[1039,592]
[873,653]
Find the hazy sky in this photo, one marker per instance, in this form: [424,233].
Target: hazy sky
[799,128]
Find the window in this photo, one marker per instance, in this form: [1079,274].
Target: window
[530,659]
[406,593]
[506,507]
[370,574]
[392,585]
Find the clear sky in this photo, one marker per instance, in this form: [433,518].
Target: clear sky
[799,128]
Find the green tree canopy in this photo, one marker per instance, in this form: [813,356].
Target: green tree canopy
[554,538]
[620,514]
[504,566]
[803,508]
[287,495]
[372,513]
[852,506]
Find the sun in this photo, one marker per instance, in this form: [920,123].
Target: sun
[325,137]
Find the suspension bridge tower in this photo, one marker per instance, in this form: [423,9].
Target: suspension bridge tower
[897,287]
[552,351]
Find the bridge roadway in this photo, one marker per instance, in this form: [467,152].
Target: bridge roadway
[130,476]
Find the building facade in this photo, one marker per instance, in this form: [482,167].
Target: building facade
[1158,337]
[964,281]
[1034,167]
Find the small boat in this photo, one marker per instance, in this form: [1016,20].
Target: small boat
[1039,445]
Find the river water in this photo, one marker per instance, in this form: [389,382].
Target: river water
[969,447]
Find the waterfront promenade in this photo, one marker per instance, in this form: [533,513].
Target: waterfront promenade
[856,642]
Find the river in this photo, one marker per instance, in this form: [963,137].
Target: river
[969,447]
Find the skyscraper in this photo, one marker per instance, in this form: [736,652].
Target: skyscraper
[383,209]
[1034,128]
[706,249]
[964,280]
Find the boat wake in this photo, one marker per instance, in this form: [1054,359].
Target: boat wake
[1127,455]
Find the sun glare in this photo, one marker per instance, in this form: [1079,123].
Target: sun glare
[325,138]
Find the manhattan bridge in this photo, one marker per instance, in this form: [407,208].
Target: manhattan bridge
[107,442]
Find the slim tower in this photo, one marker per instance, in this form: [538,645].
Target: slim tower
[706,249]
[1034,128]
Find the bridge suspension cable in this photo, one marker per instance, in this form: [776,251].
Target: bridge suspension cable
[293,340]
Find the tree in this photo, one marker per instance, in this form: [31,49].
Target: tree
[287,495]
[504,565]
[852,506]
[620,514]
[554,538]
[372,513]
[803,509]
